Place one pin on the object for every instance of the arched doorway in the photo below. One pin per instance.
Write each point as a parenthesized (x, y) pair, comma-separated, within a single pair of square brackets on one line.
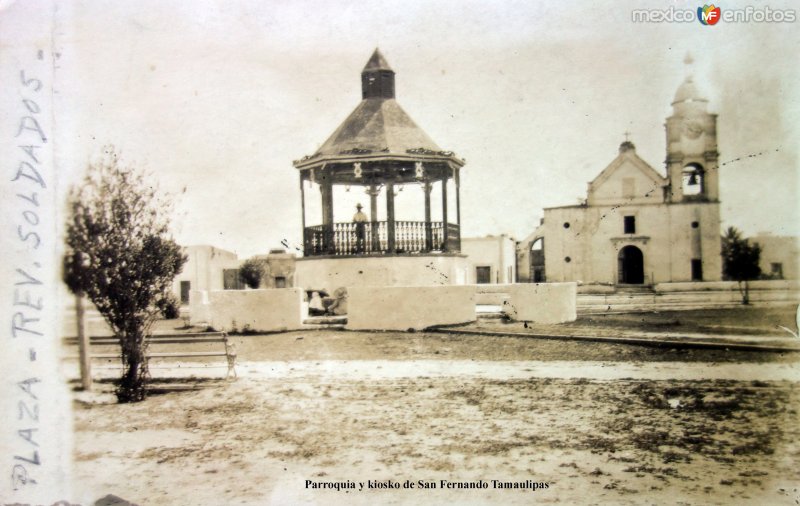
[(631, 266), (537, 261)]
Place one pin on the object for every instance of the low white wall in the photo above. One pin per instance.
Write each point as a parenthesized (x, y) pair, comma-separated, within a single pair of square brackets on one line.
[(542, 302), (417, 270), (199, 309), (408, 307), (491, 295), (261, 310), (491, 298)]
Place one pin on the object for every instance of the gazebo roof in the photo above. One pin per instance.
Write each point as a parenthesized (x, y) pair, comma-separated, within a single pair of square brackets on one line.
[(378, 129), (378, 125)]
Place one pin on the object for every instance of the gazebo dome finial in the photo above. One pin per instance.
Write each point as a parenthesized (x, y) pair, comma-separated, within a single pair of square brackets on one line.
[(377, 78), (377, 62)]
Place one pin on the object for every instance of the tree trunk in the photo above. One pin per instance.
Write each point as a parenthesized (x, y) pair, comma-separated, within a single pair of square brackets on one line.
[(83, 342), (132, 385), (744, 291)]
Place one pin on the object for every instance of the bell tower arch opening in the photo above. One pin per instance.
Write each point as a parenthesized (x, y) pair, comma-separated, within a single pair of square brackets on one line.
[(693, 180)]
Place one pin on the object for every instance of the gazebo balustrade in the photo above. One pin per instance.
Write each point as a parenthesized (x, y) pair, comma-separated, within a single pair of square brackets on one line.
[(342, 239)]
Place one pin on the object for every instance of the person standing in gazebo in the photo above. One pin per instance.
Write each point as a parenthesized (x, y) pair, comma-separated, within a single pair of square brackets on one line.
[(360, 219)]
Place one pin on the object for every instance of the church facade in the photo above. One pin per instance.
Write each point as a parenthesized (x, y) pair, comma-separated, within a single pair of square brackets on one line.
[(637, 226)]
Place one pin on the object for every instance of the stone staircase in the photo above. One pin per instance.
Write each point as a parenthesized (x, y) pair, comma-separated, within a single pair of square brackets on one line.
[(489, 312), (325, 322), (632, 301)]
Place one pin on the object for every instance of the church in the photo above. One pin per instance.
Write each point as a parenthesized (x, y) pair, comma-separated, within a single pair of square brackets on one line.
[(637, 227)]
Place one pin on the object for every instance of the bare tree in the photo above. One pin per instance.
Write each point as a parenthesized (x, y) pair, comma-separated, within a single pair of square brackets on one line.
[(120, 255)]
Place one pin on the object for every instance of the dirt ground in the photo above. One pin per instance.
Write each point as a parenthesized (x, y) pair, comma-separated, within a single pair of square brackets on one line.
[(257, 441), (272, 435), (741, 321)]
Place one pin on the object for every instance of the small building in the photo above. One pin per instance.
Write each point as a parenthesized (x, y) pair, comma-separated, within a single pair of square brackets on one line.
[(211, 268), (780, 255), (491, 259), (207, 268), (637, 226), (279, 269)]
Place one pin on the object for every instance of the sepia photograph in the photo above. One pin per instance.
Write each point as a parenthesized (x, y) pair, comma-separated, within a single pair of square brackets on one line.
[(260, 252)]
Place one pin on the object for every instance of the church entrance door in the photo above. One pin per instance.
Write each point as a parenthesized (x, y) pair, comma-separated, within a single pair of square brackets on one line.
[(631, 266)]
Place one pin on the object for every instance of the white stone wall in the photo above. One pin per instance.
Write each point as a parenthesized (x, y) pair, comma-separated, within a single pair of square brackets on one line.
[(418, 270), (542, 302), (263, 310), (409, 307)]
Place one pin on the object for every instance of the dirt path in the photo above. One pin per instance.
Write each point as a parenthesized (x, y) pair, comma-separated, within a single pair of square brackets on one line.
[(364, 370)]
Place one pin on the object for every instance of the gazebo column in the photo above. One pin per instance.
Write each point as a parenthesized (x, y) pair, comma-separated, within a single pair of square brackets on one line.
[(327, 214), (458, 204), (458, 197), (428, 233), (373, 191), (306, 246), (390, 217), (445, 234)]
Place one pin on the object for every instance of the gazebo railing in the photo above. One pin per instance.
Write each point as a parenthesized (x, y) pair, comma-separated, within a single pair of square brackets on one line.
[(372, 237)]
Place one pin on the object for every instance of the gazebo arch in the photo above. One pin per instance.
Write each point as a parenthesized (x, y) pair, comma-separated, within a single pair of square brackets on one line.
[(537, 261)]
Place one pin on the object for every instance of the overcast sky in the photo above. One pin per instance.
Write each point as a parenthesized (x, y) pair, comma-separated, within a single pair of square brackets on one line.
[(218, 98)]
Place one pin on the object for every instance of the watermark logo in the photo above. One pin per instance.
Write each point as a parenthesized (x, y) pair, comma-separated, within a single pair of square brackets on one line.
[(708, 14), (711, 15)]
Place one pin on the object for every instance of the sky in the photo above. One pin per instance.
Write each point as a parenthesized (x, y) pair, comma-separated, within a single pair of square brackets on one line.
[(216, 98)]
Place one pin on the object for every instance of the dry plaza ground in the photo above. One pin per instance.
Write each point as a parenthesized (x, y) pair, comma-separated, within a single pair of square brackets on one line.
[(600, 423)]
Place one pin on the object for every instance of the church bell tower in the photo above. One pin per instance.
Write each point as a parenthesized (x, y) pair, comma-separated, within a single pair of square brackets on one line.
[(692, 155)]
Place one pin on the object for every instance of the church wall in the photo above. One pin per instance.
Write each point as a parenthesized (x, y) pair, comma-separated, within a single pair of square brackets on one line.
[(625, 184), (684, 241), (663, 233), (565, 246)]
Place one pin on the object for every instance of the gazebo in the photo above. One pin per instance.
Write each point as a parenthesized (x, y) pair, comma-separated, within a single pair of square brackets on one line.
[(380, 149)]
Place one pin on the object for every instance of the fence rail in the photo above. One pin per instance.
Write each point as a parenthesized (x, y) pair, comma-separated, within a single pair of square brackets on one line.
[(373, 237)]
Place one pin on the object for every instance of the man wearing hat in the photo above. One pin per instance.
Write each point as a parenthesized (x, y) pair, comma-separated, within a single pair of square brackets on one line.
[(360, 219)]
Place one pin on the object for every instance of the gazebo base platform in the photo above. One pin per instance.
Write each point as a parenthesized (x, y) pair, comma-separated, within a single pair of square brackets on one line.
[(330, 273)]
